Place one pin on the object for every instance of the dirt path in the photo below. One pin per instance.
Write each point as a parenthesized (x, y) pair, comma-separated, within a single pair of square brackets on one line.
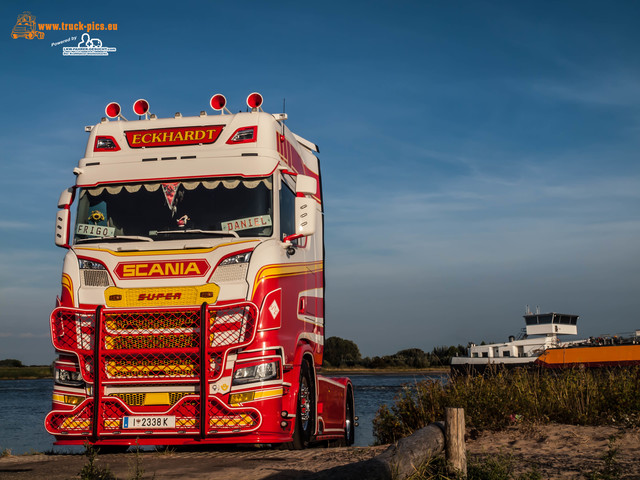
[(557, 451), (248, 464), (561, 451)]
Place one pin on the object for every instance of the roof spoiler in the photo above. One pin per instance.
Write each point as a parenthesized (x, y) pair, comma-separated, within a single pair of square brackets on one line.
[(306, 143)]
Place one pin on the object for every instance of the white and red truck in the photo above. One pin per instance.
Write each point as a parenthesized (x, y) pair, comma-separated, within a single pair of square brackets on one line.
[(192, 304)]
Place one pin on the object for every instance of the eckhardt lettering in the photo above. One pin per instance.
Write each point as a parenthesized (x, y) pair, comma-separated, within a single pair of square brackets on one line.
[(169, 268), (167, 137)]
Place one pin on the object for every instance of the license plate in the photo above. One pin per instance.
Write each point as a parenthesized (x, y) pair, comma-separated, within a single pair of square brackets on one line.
[(149, 422)]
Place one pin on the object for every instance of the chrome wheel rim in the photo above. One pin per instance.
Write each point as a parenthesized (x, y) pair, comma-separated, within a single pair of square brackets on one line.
[(305, 404)]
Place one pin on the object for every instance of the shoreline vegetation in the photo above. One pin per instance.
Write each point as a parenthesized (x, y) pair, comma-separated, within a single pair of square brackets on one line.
[(12, 369), (503, 398), (335, 371), (27, 372)]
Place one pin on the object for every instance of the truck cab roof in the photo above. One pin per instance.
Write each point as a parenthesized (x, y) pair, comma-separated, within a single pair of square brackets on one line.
[(248, 144)]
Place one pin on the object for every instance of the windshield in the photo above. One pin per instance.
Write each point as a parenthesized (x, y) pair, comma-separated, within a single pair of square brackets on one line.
[(182, 209)]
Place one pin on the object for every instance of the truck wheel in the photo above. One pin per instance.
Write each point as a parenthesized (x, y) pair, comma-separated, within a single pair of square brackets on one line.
[(349, 420), (305, 414)]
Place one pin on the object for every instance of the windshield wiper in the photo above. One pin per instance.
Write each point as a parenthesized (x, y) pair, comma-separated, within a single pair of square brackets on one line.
[(136, 238), (194, 230)]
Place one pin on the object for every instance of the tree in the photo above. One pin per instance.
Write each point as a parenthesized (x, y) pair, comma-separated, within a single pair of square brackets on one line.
[(413, 357), (339, 352), (10, 362), (442, 355)]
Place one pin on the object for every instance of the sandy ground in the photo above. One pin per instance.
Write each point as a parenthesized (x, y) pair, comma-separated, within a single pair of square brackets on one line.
[(560, 451), (241, 463), (557, 451)]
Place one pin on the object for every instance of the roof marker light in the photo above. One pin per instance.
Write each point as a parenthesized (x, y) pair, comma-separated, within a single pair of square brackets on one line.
[(112, 110), (141, 107), (218, 102), (244, 135), (105, 144), (254, 100)]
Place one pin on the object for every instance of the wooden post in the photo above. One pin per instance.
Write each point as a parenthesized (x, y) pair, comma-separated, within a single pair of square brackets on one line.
[(454, 441)]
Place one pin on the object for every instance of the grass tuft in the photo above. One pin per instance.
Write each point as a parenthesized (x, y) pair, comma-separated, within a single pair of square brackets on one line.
[(500, 467), (90, 471), (611, 469)]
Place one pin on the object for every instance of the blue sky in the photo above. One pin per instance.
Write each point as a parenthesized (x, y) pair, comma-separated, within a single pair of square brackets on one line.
[(478, 156)]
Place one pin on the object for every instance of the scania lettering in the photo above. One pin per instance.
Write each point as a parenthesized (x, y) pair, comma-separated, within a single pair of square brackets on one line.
[(192, 302)]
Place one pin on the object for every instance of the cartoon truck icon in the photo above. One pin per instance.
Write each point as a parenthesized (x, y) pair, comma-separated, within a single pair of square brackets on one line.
[(25, 27)]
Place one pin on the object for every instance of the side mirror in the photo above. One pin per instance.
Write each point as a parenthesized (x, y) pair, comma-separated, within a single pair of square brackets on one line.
[(305, 216), (306, 185), (66, 198), (63, 218), (305, 209)]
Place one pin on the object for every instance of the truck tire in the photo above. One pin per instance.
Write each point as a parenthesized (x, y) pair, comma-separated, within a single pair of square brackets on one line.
[(305, 409), (349, 420)]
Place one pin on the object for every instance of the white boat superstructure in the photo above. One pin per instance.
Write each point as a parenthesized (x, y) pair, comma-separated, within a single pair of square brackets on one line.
[(540, 333)]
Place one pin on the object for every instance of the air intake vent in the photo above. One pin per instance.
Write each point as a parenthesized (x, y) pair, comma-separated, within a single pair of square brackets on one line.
[(230, 273), (96, 278)]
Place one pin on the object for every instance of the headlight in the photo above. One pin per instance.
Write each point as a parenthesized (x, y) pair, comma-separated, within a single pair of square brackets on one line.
[(67, 377), (235, 259), (256, 373), (90, 265)]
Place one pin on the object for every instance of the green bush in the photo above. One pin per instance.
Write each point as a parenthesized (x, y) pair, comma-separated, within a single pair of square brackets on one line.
[(500, 398)]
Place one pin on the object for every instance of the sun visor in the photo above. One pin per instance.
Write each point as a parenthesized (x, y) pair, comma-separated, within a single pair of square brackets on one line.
[(93, 173)]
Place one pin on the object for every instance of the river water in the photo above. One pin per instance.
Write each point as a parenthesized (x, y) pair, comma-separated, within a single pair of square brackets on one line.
[(24, 404)]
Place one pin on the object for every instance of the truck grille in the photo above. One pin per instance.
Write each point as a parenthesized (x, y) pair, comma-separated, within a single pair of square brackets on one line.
[(154, 367), (152, 322), (139, 399), (148, 348), (140, 342)]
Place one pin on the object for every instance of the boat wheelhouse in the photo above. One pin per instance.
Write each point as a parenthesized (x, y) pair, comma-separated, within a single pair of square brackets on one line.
[(541, 332)]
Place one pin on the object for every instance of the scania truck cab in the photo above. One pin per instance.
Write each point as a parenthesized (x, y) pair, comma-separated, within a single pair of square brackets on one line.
[(192, 301)]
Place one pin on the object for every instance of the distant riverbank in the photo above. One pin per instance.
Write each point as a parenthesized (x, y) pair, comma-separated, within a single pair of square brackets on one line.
[(384, 371), (25, 373), (44, 371)]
